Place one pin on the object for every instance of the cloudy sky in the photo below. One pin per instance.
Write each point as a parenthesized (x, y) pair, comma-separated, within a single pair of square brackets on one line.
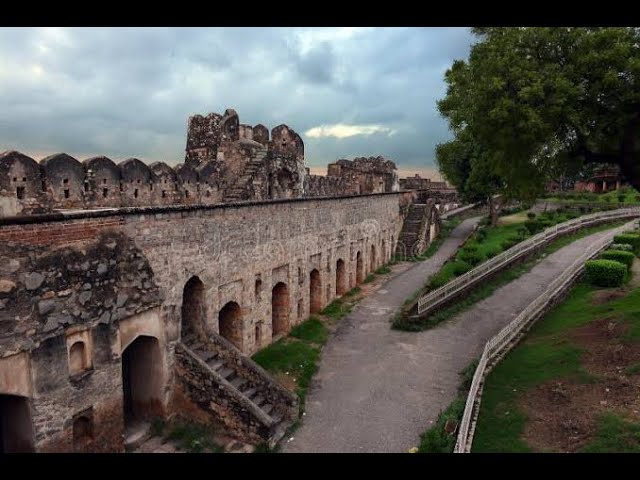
[(127, 92)]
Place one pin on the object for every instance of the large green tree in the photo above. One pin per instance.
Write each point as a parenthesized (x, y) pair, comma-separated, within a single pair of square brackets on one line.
[(545, 99), (466, 165)]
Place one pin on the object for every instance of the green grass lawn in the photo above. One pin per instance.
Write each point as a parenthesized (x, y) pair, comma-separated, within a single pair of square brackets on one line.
[(548, 353), (630, 196)]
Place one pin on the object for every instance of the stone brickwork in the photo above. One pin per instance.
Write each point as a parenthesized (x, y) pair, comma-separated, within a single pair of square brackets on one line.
[(225, 162), (88, 296)]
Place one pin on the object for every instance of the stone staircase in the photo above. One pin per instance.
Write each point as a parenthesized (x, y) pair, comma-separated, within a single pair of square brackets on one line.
[(238, 191), (269, 406), (413, 231)]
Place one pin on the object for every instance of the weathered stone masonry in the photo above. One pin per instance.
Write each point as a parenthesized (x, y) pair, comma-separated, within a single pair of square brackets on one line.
[(87, 298)]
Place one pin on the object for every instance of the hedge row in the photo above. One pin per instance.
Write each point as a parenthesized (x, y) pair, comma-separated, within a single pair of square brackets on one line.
[(630, 238), (619, 256), (605, 273)]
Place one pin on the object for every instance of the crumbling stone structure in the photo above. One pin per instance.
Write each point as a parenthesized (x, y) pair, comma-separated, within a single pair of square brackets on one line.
[(418, 183), (109, 318), (225, 162), (112, 317)]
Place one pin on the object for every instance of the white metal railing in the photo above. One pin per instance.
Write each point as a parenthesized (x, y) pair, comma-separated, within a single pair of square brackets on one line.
[(440, 295), (455, 211), (505, 339)]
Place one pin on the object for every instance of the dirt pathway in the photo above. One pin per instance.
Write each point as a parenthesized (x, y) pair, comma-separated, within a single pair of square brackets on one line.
[(378, 389)]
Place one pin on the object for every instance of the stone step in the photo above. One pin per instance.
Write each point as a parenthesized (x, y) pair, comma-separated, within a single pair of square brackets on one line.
[(238, 382), (188, 339), (277, 417), (259, 400), (136, 434), (215, 363), (278, 433), (196, 346), (226, 372), (207, 355), (249, 392), (266, 408)]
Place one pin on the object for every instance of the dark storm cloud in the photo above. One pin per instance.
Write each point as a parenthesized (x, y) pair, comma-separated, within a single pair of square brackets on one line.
[(129, 91)]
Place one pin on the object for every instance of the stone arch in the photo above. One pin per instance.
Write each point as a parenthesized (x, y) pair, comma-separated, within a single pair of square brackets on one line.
[(16, 427), (78, 358), (359, 268), (142, 380), (230, 323), (341, 278), (315, 291), (194, 316), (280, 308), (82, 432), (373, 258)]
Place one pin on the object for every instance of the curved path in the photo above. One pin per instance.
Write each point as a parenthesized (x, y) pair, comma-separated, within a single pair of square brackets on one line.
[(378, 389)]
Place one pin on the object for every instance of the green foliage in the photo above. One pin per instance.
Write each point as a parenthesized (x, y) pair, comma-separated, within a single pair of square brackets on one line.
[(614, 435), (436, 439), (621, 256), (383, 270), (625, 247), (297, 357), (632, 369), (157, 426), (370, 278), (336, 309), (621, 198), (460, 267), (470, 258), (354, 291), (533, 226), (194, 438), (539, 102), (312, 331), (508, 243), (438, 280), (630, 238), (522, 232), (605, 273)]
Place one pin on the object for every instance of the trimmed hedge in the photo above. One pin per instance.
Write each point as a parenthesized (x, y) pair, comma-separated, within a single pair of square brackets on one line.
[(619, 256), (605, 273), (625, 247), (630, 238)]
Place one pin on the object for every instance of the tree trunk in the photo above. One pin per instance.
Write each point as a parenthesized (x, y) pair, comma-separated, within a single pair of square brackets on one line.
[(493, 213)]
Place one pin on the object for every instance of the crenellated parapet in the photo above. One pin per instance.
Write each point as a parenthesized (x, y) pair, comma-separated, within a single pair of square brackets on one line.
[(225, 161)]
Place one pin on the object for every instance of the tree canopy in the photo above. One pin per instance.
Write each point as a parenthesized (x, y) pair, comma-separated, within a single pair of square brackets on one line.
[(530, 102)]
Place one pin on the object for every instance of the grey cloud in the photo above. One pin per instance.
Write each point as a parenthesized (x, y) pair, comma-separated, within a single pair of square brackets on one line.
[(128, 91)]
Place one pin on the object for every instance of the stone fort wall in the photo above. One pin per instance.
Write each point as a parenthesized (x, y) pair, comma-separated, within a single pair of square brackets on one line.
[(78, 290)]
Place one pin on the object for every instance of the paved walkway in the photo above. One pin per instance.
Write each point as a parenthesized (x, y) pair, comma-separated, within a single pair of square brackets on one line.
[(378, 389)]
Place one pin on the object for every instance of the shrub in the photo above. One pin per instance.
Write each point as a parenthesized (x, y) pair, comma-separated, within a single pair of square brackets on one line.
[(471, 257), (605, 273), (625, 247), (546, 224), (481, 235), (630, 238), (438, 280), (607, 199), (533, 226), (508, 243), (531, 215), (619, 256), (522, 232), (460, 267), (621, 198), (492, 252), (637, 198)]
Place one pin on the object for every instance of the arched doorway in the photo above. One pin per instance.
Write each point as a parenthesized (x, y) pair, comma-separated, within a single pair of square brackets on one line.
[(16, 429), (315, 291), (280, 308), (193, 308), (142, 380), (359, 268), (341, 278), (230, 323), (373, 258)]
